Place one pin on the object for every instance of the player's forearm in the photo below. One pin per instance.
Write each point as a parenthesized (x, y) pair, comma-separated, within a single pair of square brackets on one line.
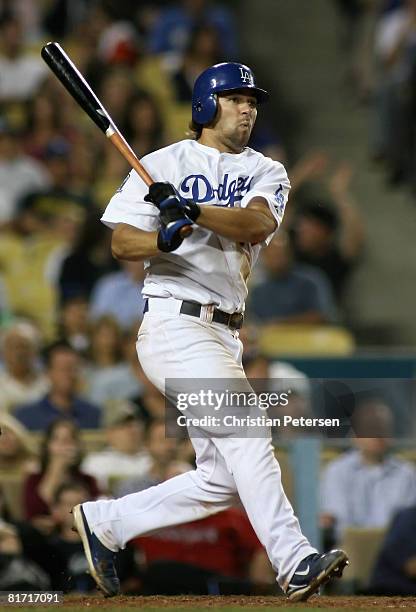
[(133, 244), (240, 224)]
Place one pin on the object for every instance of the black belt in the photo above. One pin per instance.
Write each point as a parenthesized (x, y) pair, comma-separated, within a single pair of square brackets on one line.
[(234, 321)]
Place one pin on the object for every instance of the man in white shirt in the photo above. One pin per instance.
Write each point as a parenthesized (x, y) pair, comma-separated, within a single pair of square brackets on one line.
[(21, 73), (366, 487), (195, 291), (125, 456), (21, 381)]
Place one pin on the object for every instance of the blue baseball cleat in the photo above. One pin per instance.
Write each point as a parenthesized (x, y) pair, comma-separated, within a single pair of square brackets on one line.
[(314, 571), (100, 558)]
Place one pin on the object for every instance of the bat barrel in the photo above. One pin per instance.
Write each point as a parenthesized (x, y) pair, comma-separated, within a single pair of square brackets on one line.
[(73, 81), (70, 77)]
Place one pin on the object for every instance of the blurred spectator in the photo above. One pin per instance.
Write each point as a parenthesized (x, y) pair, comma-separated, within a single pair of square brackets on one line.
[(124, 457), (71, 564), (119, 44), (17, 451), (5, 314), (74, 328), (62, 16), (149, 402), (21, 380), (60, 459), (29, 13), (395, 48), (56, 158), (21, 73), (108, 375), (61, 214), (285, 378), (115, 91), (89, 260), (265, 139), (170, 82), (365, 487), (331, 236), (31, 253), (219, 554), (173, 27), (17, 572), (394, 572), (44, 123), (162, 451), (105, 298), (109, 175), (71, 573), (203, 50), (359, 20), (291, 293), (30, 545), (19, 174), (310, 166), (144, 125), (85, 155), (62, 400)]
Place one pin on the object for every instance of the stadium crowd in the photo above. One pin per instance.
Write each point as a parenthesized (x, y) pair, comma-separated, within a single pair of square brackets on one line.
[(78, 417)]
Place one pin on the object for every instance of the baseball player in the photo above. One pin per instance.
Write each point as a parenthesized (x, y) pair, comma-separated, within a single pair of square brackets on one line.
[(195, 290)]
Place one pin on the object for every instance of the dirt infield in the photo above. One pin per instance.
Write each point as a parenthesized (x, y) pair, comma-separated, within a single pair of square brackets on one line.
[(235, 603)]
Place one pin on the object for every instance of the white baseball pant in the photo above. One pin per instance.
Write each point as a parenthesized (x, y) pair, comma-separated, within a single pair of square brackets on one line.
[(172, 345)]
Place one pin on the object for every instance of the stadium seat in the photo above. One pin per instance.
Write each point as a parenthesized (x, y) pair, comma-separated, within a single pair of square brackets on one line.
[(320, 340), (93, 440), (362, 547), (12, 492)]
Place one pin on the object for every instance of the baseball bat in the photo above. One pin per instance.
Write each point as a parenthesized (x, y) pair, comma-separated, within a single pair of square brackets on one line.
[(73, 81)]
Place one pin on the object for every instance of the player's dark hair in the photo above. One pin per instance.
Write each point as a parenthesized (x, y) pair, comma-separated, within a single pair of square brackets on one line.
[(195, 129)]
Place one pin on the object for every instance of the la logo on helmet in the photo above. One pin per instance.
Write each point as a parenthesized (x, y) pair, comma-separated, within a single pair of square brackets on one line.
[(246, 77)]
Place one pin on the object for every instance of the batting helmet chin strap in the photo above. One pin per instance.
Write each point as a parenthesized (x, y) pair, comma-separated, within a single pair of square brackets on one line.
[(227, 76)]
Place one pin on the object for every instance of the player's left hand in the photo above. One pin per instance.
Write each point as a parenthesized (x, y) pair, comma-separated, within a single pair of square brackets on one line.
[(165, 195)]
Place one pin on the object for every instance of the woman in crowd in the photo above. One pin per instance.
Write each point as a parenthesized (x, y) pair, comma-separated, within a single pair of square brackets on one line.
[(60, 458)]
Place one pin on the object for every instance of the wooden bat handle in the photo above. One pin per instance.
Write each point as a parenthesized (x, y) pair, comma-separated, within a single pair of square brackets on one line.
[(119, 142)]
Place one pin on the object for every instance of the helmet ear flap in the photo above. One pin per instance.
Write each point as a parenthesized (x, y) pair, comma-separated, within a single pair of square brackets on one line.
[(203, 111)]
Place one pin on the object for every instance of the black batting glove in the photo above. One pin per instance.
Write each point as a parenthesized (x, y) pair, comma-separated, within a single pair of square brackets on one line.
[(163, 194), (158, 192)]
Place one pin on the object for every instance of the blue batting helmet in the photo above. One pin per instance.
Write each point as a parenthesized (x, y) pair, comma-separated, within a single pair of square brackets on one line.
[(221, 77)]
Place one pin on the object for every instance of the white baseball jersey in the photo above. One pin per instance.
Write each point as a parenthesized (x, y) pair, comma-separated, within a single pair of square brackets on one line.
[(206, 268)]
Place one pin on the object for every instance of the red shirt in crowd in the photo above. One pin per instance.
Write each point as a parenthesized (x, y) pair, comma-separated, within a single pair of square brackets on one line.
[(223, 543)]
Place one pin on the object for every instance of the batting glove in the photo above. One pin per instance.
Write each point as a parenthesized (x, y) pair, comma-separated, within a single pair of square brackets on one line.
[(172, 220), (165, 193)]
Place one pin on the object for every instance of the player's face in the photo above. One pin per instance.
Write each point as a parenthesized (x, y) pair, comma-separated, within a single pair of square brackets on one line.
[(237, 112)]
